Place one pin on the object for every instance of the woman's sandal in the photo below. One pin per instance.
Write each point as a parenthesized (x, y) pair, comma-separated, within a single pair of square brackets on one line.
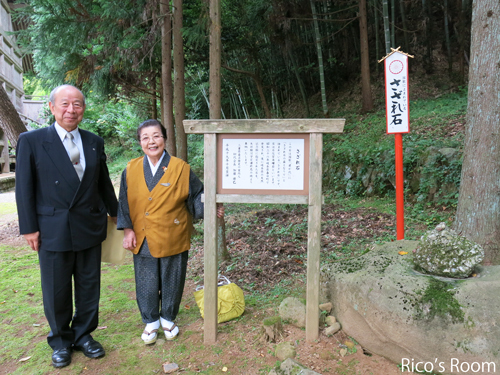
[(171, 333), (149, 337)]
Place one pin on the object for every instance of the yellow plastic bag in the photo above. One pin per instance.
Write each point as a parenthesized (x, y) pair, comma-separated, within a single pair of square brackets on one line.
[(231, 301)]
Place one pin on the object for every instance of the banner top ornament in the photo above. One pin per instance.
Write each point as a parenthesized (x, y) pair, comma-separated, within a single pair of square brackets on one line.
[(393, 51)]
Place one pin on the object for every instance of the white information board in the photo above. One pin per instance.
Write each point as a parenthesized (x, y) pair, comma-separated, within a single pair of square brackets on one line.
[(396, 93), (263, 164)]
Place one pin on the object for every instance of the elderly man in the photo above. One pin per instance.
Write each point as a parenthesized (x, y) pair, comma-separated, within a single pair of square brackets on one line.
[(63, 194)]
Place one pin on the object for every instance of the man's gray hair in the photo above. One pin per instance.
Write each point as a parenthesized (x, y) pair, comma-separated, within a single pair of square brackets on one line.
[(53, 93)]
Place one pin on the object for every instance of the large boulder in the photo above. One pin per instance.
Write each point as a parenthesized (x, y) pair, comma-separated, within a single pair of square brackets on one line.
[(442, 252), (408, 317)]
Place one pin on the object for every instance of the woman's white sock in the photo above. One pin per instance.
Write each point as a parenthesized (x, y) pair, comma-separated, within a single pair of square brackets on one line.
[(152, 326), (166, 323)]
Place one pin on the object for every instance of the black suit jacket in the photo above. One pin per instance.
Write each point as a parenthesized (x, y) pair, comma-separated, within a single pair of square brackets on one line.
[(70, 214)]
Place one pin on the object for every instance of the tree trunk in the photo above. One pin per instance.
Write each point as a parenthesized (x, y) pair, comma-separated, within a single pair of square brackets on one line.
[(461, 41), (447, 37), (365, 59), (428, 64), (154, 108), (405, 26), (393, 23), (478, 213), (179, 83), (387, 32), (257, 110), (10, 122), (166, 76), (375, 15), (320, 59), (299, 81), (215, 60), (215, 103), (260, 88)]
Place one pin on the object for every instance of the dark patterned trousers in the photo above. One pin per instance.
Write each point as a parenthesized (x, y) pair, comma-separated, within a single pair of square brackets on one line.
[(159, 284)]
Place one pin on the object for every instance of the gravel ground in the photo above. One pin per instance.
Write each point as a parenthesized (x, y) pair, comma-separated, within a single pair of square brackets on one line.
[(8, 197)]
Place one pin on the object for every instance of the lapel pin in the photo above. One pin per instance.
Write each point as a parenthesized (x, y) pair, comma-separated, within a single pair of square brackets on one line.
[(167, 184)]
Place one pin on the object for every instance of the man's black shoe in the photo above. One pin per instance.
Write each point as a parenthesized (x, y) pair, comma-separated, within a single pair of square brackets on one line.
[(61, 357), (91, 349)]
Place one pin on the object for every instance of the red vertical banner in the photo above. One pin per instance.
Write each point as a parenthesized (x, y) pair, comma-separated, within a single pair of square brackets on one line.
[(398, 122)]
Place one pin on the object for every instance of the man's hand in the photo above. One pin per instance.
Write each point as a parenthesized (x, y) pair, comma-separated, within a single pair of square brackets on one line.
[(129, 239), (33, 240), (114, 219)]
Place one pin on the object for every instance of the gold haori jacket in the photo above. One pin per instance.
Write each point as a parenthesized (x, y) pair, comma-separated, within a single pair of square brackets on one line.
[(160, 215)]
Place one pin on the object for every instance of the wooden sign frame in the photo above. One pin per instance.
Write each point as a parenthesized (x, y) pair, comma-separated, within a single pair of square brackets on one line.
[(315, 129)]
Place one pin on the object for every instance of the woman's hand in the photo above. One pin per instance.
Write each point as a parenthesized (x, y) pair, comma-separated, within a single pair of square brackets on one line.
[(129, 239), (220, 210)]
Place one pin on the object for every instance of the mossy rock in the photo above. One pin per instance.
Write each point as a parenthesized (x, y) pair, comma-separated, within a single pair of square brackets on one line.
[(442, 252), (396, 312)]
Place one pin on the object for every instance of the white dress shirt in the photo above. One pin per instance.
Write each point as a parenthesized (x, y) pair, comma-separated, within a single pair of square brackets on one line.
[(77, 139)]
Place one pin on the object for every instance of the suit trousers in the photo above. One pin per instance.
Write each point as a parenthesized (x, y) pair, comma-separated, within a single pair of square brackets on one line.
[(59, 270)]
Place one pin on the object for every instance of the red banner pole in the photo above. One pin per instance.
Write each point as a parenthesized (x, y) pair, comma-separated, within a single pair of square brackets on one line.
[(400, 200)]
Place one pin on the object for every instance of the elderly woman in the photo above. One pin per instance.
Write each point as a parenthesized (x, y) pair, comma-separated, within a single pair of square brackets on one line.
[(159, 197)]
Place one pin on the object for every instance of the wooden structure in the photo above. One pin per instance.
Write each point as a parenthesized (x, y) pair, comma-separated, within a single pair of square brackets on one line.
[(11, 75), (315, 128)]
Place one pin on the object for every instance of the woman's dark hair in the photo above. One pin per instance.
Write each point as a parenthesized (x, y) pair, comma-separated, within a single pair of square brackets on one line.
[(148, 123)]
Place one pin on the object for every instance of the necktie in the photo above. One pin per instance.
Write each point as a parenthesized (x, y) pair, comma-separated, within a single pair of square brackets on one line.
[(74, 154)]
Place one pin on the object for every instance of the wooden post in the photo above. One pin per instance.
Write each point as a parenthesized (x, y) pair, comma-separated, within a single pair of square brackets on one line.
[(210, 240), (314, 235), (313, 198)]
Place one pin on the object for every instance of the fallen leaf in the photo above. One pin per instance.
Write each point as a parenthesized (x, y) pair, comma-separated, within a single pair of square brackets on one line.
[(402, 252), (102, 327), (187, 307), (349, 344), (24, 359)]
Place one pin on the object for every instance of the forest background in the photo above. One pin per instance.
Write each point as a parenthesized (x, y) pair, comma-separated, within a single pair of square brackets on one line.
[(280, 59)]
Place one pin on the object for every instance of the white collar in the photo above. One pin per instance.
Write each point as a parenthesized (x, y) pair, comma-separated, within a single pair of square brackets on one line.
[(154, 168), (61, 132)]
